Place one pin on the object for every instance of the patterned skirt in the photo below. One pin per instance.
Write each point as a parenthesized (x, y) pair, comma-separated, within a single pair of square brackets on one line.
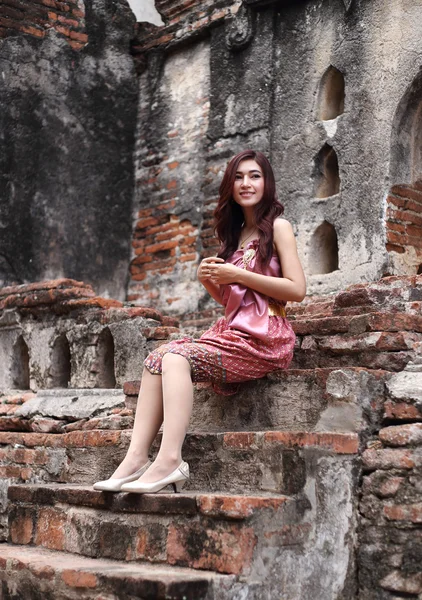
[(225, 357)]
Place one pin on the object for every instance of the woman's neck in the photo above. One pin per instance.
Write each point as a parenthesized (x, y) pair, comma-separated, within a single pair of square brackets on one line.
[(249, 216)]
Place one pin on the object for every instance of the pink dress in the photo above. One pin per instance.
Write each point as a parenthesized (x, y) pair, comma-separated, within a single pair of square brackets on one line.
[(251, 340)]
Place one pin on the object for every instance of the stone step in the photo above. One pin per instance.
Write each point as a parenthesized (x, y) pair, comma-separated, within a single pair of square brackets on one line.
[(30, 573), (218, 532), (235, 462), (328, 399)]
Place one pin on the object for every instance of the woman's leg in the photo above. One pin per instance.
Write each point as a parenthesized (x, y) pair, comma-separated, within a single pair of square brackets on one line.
[(178, 402), (148, 419)]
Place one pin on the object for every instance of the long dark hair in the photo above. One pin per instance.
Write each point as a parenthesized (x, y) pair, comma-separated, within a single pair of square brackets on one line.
[(229, 215)]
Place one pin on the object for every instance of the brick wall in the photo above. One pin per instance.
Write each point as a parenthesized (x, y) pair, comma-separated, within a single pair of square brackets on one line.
[(182, 19), (390, 552), (37, 17), (404, 222)]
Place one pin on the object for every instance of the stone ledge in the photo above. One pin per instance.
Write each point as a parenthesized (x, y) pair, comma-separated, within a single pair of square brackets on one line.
[(340, 443), (45, 571), (226, 506)]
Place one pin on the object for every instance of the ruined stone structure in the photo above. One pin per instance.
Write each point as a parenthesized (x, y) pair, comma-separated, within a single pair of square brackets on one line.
[(114, 137)]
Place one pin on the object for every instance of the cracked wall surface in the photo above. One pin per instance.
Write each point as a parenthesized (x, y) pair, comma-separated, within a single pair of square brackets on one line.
[(67, 120)]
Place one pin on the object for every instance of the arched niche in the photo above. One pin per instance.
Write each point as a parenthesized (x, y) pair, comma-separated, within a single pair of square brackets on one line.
[(406, 136), (105, 360), (323, 255), (331, 95), (326, 173), (60, 365), (20, 365)]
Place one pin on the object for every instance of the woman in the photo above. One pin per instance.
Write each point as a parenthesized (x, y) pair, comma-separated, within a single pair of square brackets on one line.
[(256, 272)]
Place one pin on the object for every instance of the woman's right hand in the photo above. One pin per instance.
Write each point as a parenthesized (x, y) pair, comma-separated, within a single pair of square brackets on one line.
[(203, 271)]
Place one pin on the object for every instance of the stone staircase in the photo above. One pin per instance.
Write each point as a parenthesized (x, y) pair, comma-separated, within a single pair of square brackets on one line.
[(261, 508), (272, 507)]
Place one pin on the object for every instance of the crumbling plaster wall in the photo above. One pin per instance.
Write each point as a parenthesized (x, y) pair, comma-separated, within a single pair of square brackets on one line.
[(266, 65), (68, 106)]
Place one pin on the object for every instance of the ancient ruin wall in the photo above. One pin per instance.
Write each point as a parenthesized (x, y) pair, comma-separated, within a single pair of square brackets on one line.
[(322, 88), (68, 112)]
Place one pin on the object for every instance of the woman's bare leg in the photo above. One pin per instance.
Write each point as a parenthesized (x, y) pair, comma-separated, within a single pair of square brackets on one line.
[(178, 402), (148, 419)]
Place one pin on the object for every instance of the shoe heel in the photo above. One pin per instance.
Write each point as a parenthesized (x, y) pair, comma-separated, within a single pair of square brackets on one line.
[(178, 485)]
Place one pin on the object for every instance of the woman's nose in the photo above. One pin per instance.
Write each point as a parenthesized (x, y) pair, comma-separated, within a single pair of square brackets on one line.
[(245, 181)]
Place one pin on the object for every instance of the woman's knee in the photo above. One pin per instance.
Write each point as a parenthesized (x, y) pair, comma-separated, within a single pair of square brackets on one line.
[(172, 362)]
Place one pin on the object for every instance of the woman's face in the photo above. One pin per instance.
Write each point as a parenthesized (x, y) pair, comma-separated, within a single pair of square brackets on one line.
[(248, 187)]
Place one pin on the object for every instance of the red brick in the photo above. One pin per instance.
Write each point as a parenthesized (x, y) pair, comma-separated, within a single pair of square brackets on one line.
[(146, 212), (389, 459), (406, 191), (226, 549), (21, 527), (79, 579), (173, 165), (161, 246), (159, 333), (394, 248), (404, 512), (80, 37), (236, 507), (390, 486), (399, 227), (401, 411), (239, 439), (172, 184), (146, 222), (402, 435), (10, 471), (341, 443), (188, 257), (131, 388), (405, 216), (66, 20), (86, 439), (50, 529), (395, 238)]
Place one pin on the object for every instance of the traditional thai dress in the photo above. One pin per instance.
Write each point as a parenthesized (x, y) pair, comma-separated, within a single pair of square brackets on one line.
[(252, 339)]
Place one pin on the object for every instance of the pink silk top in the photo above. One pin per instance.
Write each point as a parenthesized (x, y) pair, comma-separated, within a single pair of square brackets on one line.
[(245, 309)]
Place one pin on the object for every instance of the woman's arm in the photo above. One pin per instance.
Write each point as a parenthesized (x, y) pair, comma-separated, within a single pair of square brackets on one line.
[(290, 287)]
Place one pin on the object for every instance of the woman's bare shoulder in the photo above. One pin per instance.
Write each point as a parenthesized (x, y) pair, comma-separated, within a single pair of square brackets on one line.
[(282, 227)]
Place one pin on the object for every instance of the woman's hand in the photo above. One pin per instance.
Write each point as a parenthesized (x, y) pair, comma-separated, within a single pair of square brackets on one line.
[(204, 269), (224, 273)]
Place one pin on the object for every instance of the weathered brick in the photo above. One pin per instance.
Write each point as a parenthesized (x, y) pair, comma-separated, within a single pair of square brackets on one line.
[(402, 435), (341, 443), (403, 512), (390, 459), (79, 579), (239, 439), (50, 529), (21, 525), (237, 507), (401, 411), (409, 584), (227, 549)]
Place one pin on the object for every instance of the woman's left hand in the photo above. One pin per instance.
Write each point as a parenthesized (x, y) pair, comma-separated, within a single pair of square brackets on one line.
[(224, 273)]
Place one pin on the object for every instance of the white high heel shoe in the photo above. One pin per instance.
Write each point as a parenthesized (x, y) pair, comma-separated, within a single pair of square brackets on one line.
[(115, 485), (177, 479)]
